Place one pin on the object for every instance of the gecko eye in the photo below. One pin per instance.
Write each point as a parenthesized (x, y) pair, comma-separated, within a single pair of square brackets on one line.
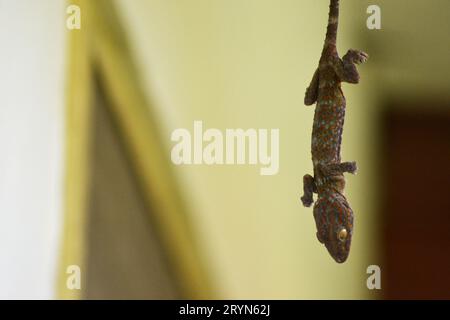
[(342, 235)]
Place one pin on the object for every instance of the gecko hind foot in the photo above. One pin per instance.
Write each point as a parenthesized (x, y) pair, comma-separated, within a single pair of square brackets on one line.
[(345, 68), (312, 92), (356, 56)]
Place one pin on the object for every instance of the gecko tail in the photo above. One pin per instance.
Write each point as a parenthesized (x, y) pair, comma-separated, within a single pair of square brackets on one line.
[(333, 22)]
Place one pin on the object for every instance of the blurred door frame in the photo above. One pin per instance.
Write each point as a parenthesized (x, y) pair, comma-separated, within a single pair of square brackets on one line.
[(101, 46)]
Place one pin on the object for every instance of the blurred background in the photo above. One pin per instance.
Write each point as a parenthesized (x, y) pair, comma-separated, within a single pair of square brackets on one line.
[(86, 179)]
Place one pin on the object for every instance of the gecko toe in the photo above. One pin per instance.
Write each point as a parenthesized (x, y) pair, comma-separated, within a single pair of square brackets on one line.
[(307, 202)]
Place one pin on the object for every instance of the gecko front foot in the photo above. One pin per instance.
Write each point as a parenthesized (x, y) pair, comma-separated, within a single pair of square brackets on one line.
[(309, 187), (356, 56), (349, 167), (307, 200)]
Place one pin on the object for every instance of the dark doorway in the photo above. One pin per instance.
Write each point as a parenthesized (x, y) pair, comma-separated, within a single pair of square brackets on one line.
[(417, 204)]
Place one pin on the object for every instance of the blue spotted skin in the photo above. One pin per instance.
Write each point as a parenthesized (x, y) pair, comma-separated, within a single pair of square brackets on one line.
[(332, 212), (328, 118)]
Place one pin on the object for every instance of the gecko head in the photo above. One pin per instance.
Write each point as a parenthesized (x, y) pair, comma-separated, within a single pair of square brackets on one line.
[(334, 222)]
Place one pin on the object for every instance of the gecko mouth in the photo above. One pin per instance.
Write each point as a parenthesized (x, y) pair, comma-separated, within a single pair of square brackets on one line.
[(340, 256), (340, 259)]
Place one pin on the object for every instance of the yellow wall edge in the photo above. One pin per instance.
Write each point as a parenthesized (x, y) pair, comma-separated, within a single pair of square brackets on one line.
[(78, 113), (100, 44)]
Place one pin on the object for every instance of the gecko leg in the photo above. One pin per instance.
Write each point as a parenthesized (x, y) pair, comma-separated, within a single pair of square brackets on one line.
[(349, 167), (309, 187), (345, 68), (312, 92)]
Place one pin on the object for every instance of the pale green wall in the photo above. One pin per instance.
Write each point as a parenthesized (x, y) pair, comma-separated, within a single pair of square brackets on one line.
[(235, 63)]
